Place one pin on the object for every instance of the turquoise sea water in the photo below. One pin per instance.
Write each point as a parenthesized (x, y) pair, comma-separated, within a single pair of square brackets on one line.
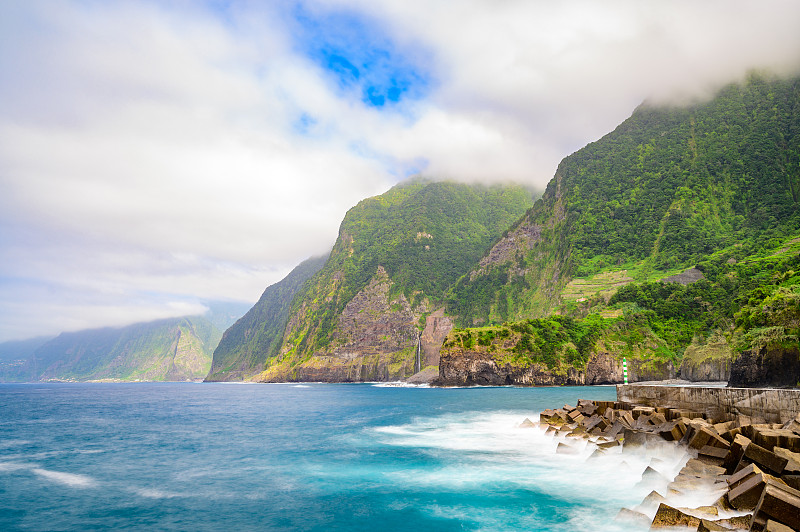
[(298, 457)]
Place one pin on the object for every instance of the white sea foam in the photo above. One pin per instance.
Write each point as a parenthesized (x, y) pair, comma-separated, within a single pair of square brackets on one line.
[(493, 448), (151, 493), (301, 386), (68, 479), (13, 466), (400, 384), (11, 442)]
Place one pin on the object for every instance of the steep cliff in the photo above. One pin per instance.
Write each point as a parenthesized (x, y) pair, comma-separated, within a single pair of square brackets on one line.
[(665, 189), (659, 232), (174, 349), (370, 312), (245, 347), (767, 367), (554, 351)]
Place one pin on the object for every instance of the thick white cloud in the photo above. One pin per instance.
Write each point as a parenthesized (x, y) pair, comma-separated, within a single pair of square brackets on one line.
[(155, 155)]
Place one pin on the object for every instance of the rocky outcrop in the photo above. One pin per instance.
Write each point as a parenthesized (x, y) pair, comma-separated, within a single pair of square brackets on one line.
[(710, 370), (692, 275), (437, 327), (603, 368), (375, 339), (774, 367), (465, 367), (475, 368)]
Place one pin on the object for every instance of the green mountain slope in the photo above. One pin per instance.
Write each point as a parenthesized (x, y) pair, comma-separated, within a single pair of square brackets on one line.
[(246, 345), (361, 316), (174, 349), (667, 188)]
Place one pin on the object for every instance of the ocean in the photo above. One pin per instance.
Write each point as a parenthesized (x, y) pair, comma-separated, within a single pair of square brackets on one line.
[(213, 456)]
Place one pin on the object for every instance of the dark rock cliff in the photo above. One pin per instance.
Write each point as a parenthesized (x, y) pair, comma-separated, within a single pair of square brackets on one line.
[(775, 367)]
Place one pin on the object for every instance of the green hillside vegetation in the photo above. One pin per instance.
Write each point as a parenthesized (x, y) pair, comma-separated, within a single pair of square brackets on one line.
[(173, 349), (743, 304), (424, 234), (668, 188), (246, 346)]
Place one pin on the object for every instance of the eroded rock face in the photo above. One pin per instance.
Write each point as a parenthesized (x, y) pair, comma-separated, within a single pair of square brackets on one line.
[(437, 327), (706, 370), (473, 368), (766, 368), (603, 368), (371, 323), (375, 339), (463, 367)]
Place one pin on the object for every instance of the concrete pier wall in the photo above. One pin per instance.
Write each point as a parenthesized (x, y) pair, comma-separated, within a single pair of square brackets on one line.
[(760, 404)]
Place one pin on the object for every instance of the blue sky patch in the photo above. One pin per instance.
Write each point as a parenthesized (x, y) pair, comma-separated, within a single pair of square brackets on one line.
[(355, 51)]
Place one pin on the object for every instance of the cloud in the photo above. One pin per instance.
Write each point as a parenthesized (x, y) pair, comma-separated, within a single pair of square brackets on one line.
[(154, 155)]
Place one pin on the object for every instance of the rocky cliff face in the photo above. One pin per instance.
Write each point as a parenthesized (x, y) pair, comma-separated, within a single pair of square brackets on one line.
[(375, 339), (479, 368), (373, 312), (437, 327), (706, 371), (471, 367), (766, 367), (246, 346)]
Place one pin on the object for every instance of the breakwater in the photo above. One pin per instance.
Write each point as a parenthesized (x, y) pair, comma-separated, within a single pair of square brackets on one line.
[(739, 475), (761, 405)]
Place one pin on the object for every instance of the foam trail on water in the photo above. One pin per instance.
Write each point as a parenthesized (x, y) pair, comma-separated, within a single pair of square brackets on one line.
[(68, 479), (13, 466), (151, 493), (491, 449)]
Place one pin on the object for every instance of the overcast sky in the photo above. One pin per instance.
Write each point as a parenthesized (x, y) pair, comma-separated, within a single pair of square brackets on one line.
[(156, 155)]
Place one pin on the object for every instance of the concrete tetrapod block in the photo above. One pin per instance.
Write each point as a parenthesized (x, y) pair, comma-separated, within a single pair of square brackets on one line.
[(742, 475), (564, 448), (668, 517), (709, 526), (792, 480), (779, 503), (633, 439), (793, 460), (746, 495), (774, 526), (766, 459), (737, 448), (715, 452)]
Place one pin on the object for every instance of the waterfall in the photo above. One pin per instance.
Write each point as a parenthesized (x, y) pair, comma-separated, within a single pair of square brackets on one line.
[(418, 362)]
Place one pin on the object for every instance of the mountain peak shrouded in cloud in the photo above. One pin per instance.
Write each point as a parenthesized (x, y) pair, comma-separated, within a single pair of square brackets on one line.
[(153, 154)]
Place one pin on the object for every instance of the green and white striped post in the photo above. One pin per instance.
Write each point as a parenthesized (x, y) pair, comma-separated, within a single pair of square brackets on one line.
[(625, 370)]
